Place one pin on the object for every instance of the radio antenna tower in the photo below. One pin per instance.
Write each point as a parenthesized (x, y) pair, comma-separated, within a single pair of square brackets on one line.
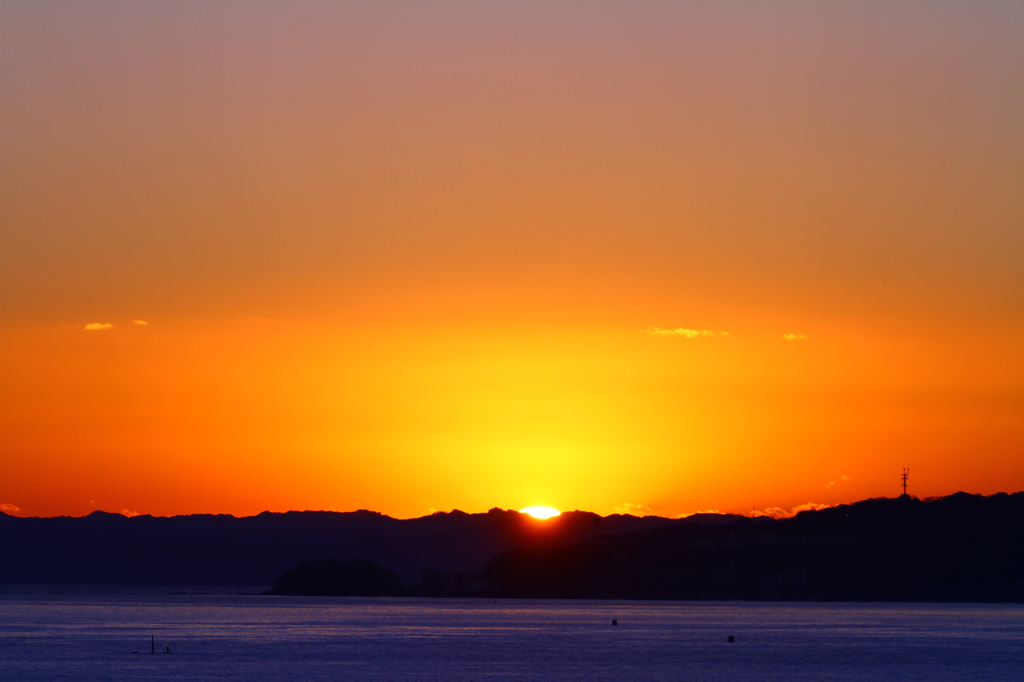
[(906, 475)]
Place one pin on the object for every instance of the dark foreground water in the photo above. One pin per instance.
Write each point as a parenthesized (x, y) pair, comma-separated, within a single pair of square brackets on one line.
[(82, 634)]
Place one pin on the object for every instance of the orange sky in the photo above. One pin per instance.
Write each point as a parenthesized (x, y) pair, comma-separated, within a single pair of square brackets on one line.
[(411, 256)]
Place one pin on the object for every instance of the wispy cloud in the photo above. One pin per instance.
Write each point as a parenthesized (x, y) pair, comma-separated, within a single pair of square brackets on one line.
[(794, 337), (685, 333), (128, 513), (773, 512), (809, 506), (9, 508), (780, 513), (141, 323), (97, 326), (703, 511), (634, 509)]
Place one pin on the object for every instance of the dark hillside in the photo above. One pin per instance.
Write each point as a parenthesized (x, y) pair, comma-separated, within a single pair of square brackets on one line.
[(110, 549), (962, 547), (959, 548)]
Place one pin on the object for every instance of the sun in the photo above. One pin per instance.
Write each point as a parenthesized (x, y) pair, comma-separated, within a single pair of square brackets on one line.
[(540, 512)]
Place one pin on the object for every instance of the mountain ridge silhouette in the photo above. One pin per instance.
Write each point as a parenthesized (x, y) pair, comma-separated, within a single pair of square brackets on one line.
[(961, 547), (221, 549)]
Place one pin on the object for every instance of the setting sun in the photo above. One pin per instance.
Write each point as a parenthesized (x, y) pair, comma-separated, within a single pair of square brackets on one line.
[(540, 512)]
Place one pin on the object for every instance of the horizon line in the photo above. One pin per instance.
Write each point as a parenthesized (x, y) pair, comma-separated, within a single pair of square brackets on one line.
[(124, 513)]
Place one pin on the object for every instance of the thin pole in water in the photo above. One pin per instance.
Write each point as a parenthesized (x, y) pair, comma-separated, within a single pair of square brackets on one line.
[(152, 644)]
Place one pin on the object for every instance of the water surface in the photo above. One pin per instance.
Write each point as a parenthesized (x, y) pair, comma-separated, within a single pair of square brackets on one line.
[(90, 633)]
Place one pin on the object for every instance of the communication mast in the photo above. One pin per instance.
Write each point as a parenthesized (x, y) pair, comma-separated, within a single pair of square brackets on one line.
[(906, 475)]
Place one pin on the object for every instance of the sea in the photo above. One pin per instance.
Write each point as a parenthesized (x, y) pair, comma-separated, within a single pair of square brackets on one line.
[(77, 633)]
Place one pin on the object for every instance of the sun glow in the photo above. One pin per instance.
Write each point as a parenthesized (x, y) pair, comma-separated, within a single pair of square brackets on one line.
[(540, 512)]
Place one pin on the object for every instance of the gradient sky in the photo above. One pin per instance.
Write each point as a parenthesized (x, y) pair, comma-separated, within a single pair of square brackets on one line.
[(410, 256)]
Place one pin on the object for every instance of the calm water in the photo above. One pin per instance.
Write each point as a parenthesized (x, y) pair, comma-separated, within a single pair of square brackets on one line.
[(83, 634)]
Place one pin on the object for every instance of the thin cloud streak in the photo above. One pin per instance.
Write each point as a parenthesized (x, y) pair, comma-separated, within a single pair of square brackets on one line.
[(634, 509), (686, 333), (98, 326), (703, 511), (780, 513)]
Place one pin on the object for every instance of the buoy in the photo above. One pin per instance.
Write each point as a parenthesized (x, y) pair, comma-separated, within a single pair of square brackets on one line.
[(732, 639), (614, 622)]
